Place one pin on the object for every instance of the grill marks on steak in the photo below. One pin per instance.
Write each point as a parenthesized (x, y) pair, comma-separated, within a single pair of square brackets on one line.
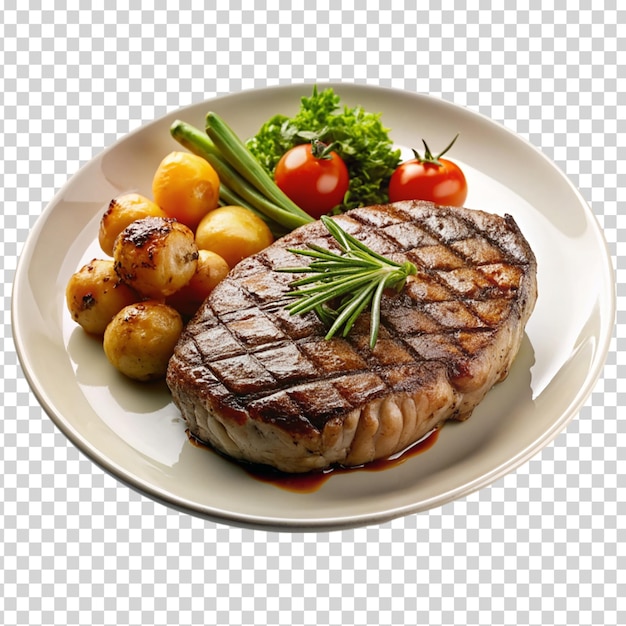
[(245, 363)]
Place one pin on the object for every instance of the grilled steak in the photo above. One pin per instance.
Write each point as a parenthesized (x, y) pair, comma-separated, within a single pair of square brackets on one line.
[(263, 386)]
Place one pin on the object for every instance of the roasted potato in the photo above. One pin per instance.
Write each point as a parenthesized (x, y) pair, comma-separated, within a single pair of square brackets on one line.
[(121, 212), (140, 339), (234, 233), (212, 269), (156, 256), (95, 294)]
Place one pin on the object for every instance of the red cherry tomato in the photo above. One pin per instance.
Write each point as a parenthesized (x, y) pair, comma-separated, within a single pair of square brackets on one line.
[(429, 178), (314, 178)]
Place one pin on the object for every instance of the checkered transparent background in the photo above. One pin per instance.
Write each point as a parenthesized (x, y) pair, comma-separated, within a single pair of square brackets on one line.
[(544, 545)]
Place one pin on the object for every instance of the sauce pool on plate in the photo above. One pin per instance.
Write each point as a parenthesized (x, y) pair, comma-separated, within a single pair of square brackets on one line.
[(313, 481)]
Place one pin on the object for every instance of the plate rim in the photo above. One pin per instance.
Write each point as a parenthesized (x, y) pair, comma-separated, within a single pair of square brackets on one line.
[(311, 524)]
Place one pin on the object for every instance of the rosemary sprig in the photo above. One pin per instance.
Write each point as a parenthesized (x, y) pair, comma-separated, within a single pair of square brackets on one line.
[(340, 287)]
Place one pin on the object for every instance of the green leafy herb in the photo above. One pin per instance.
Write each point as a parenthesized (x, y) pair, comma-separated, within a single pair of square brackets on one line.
[(359, 138), (350, 281)]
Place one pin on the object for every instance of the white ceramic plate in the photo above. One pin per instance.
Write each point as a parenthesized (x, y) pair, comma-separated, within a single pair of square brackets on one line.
[(136, 434)]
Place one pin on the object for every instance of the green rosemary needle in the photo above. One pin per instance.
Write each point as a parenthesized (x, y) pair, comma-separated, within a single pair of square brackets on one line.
[(350, 282)]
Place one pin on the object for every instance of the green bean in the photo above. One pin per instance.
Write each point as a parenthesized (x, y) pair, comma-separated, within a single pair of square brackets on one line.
[(201, 144), (238, 155), (229, 197)]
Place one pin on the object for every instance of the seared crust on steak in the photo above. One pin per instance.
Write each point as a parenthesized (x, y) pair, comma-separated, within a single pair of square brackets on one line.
[(263, 386)]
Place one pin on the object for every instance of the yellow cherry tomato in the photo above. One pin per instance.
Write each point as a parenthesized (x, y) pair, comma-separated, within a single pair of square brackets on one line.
[(186, 187)]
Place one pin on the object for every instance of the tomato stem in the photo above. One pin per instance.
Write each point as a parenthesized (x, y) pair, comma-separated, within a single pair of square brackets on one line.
[(320, 150), (428, 157)]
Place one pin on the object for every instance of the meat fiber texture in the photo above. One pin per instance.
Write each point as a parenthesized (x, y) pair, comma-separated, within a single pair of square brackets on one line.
[(263, 386)]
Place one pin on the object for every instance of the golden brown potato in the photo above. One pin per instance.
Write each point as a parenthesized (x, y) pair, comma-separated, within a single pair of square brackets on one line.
[(156, 256), (121, 212), (211, 270), (234, 233), (140, 339), (95, 294)]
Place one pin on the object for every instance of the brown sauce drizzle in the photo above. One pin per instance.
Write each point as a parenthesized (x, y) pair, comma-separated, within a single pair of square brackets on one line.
[(313, 481)]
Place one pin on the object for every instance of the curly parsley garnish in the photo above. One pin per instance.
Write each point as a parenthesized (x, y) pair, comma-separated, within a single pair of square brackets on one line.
[(359, 138)]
